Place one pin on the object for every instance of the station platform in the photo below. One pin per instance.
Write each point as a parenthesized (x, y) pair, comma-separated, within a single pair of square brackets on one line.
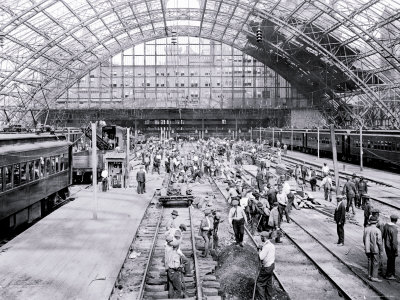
[(68, 254), (371, 174)]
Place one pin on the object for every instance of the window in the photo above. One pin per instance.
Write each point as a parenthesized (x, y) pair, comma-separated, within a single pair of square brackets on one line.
[(38, 169), (52, 165), (66, 162), (48, 166), (1, 179), (8, 177), (31, 171), (17, 175), (57, 161), (24, 174)]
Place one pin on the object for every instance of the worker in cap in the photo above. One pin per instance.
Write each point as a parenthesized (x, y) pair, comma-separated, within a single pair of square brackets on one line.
[(264, 286), (174, 269), (171, 223), (206, 230), (373, 248), (340, 219), (367, 210), (375, 212), (237, 219), (351, 193), (390, 233)]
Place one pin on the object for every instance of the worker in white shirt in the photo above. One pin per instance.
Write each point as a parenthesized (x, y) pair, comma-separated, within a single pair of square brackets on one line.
[(267, 256), (237, 219), (326, 183), (325, 170), (282, 204)]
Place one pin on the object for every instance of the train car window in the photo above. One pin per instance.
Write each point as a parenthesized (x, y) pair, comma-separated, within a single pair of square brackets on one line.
[(62, 162), (38, 172), (8, 177), (48, 166), (1, 179), (52, 165), (31, 171), (42, 169), (17, 175), (24, 174), (66, 162), (57, 161)]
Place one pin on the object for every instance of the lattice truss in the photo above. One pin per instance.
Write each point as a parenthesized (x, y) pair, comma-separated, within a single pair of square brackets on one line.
[(344, 53)]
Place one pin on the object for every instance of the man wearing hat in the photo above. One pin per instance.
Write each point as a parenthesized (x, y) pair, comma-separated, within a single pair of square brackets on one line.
[(217, 219), (171, 223), (206, 230), (340, 219), (237, 219), (373, 248), (350, 191), (390, 240), (367, 209), (274, 222), (264, 285), (174, 269)]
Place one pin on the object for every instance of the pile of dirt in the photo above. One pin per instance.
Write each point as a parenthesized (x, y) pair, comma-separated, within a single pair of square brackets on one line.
[(237, 270)]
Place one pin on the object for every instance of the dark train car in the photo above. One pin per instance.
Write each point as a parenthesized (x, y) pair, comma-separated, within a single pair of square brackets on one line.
[(33, 169), (325, 146), (376, 147), (286, 138)]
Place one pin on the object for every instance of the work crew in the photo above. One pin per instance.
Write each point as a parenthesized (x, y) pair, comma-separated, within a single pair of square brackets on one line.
[(340, 219), (391, 246), (264, 286), (373, 248), (141, 180), (237, 219), (324, 170)]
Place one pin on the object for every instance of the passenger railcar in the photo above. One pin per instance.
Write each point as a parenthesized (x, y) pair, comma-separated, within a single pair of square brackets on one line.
[(379, 146), (33, 170)]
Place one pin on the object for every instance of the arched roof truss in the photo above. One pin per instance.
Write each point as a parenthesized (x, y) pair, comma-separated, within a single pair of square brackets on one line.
[(344, 53)]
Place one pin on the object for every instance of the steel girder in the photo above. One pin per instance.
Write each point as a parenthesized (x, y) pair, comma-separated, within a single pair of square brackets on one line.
[(208, 14)]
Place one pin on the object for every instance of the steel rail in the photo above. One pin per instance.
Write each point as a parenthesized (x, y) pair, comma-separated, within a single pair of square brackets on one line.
[(196, 265), (251, 238), (363, 279), (342, 176), (336, 256), (153, 246)]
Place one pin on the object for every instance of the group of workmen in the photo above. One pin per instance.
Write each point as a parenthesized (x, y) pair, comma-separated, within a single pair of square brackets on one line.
[(264, 205)]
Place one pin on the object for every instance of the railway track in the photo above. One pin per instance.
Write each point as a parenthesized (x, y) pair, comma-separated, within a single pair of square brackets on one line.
[(307, 259), (343, 176), (307, 242), (143, 275)]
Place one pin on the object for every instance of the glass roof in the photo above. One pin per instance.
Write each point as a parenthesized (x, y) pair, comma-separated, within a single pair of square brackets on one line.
[(47, 45)]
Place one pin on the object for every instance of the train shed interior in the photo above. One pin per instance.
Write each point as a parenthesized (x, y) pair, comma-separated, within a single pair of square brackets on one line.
[(206, 149)]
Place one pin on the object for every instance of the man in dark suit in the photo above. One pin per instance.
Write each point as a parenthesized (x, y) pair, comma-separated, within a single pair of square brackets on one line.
[(340, 219), (141, 180)]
